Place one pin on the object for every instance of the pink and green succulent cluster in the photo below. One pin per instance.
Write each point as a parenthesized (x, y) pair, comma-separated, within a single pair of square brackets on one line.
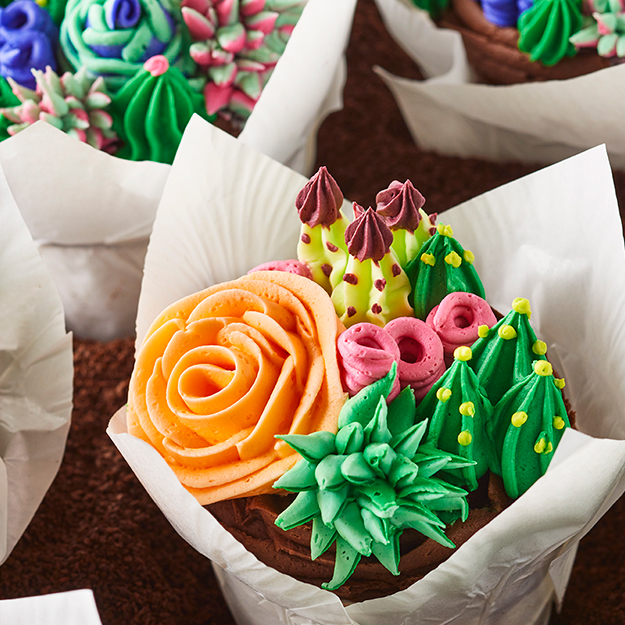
[(237, 43), (605, 30)]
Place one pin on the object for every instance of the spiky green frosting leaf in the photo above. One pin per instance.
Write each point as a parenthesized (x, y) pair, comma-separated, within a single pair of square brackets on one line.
[(443, 267), (363, 486)]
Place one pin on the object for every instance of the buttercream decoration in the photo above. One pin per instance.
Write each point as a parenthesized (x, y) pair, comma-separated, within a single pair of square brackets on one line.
[(457, 321), (401, 206), (237, 44), (366, 354), (374, 287), (56, 9), (506, 355), (74, 103), (433, 7), (223, 371), (546, 27), (322, 236), (7, 100), (457, 419), (606, 30), (527, 425), (502, 13), (290, 266), (28, 38), (114, 38), (376, 481), (441, 269), (421, 359), (152, 110)]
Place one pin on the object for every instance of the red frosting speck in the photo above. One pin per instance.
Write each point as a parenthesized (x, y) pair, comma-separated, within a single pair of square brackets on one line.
[(368, 236), (320, 201), (399, 205)]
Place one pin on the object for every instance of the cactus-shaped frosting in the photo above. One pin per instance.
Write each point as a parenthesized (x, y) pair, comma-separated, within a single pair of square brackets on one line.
[(374, 287), (73, 103), (546, 27), (433, 7), (322, 237), (443, 267), (401, 205), (364, 485), (458, 412), (505, 354), (56, 9), (606, 31), (526, 428), (113, 38), (152, 110), (237, 44), (28, 38)]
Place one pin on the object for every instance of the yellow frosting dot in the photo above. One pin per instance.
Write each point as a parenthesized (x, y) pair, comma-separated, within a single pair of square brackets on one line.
[(469, 257), (42, 3), (444, 230), (540, 446), (465, 438), (549, 448), (558, 422), (453, 259), (522, 306), (463, 353), (542, 367), (560, 383), (506, 332), (539, 347), (467, 409), (428, 259), (443, 394), (482, 331), (518, 419)]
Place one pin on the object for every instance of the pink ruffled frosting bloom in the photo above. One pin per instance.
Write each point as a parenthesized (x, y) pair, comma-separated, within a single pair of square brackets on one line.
[(366, 354), (457, 320), (289, 266), (421, 356)]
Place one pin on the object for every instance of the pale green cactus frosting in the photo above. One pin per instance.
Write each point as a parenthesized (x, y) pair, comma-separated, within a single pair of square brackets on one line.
[(364, 485), (443, 267), (458, 411), (505, 354), (527, 426), (605, 30), (374, 288)]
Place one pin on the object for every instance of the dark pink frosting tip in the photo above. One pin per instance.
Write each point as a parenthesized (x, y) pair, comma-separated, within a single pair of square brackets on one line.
[(320, 201)]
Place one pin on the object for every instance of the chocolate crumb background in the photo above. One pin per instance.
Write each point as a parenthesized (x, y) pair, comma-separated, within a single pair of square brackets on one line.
[(97, 528)]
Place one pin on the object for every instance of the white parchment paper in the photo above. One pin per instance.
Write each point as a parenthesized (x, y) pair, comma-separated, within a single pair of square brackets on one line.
[(534, 122), (538, 238), (36, 375)]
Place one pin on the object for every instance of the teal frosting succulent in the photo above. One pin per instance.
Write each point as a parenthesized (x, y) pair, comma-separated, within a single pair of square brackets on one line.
[(605, 31), (363, 486)]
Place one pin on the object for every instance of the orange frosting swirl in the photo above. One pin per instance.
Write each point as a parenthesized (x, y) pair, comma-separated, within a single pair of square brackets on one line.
[(222, 371)]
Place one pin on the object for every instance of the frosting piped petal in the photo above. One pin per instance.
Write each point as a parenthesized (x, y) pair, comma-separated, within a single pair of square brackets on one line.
[(368, 237), (399, 204), (320, 201)]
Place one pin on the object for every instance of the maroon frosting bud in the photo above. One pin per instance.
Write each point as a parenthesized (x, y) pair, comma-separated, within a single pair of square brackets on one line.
[(368, 236), (320, 201), (399, 205)]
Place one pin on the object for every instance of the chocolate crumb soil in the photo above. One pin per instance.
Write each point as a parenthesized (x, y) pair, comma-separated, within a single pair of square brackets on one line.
[(97, 528)]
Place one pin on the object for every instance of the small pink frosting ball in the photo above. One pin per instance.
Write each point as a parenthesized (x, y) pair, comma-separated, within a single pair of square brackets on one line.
[(156, 65), (421, 356), (290, 266), (457, 320), (366, 354)]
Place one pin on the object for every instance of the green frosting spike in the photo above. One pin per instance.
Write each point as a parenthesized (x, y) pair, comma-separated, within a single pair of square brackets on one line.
[(457, 410), (443, 267), (505, 355), (152, 110), (545, 29), (526, 428), (364, 500)]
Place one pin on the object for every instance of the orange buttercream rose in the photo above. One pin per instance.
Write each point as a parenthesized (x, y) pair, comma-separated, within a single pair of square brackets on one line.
[(221, 372)]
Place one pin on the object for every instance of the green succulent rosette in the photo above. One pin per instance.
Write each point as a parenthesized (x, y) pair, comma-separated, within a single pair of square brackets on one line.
[(443, 267), (526, 428), (505, 353), (546, 27), (458, 410), (152, 110), (363, 486)]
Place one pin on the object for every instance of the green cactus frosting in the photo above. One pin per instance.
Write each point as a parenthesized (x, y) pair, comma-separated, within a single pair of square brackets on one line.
[(7, 100), (363, 486), (374, 288), (433, 7), (545, 29), (443, 267), (526, 428), (458, 410), (56, 9), (152, 110), (505, 354)]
